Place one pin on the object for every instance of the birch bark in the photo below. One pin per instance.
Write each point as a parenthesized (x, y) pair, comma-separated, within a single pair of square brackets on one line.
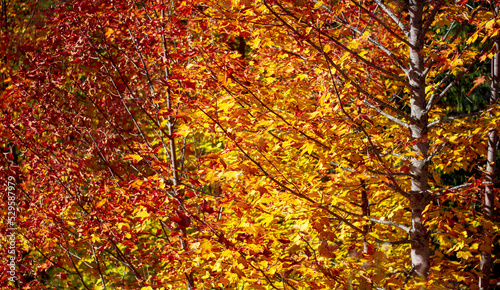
[(419, 195), (489, 193)]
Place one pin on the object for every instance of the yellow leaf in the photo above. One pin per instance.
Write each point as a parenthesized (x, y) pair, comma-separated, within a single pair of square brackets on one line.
[(457, 62), (109, 32), (183, 130), (453, 138), (95, 239), (464, 255), (490, 24), (142, 213), (100, 203), (137, 183), (206, 246), (217, 267), (473, 38), (135, 157), (227, 105), (318, 4), (123, 226), (303, 225), (227, 253)]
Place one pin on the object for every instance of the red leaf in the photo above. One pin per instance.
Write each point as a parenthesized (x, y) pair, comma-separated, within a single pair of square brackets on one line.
[(206, 208), (182, 220)]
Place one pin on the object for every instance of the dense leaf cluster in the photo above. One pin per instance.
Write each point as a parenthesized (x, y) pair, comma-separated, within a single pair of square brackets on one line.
[(269, 144)]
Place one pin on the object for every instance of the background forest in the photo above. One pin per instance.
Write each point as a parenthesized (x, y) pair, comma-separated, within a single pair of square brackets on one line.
[(236, 144)]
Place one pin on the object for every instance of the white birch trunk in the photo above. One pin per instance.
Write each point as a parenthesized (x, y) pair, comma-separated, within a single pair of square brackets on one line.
[(419, 195)]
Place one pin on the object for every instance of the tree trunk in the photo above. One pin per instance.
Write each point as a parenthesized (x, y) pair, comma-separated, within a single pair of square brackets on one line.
[(419, 196), (489, 193)]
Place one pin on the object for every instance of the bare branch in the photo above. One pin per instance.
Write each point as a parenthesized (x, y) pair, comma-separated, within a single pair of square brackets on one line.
[(429, 158), (390, 117), (451, 118), (103, 281), (389, 223)]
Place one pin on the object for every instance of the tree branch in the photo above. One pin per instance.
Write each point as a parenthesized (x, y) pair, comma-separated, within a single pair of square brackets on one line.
[(388, 116), (389, 223), (451, 118), (393, 17), (429, 19), (339, 69), (379, 45), (436, 97)]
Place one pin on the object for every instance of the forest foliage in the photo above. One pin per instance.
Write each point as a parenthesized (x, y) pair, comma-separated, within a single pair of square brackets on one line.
[(269, 144)]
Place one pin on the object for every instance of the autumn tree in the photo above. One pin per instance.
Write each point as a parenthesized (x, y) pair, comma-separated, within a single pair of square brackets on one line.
[(253, 144), (400, 74)]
